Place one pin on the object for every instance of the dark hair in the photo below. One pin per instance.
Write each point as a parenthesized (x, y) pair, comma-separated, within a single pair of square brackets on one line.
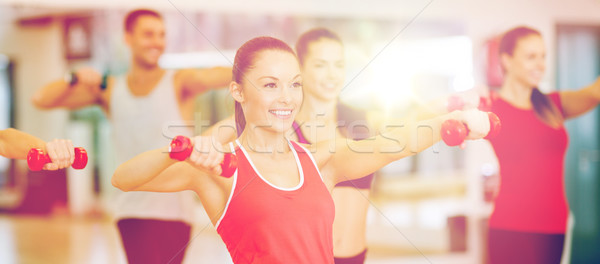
[(543, 106), (133, 16), (244, 60), (312, 36)]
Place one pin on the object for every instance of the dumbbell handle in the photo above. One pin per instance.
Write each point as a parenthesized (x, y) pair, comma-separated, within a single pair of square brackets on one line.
[(181, 149), (456, 103), (36, 159), (454, 132)]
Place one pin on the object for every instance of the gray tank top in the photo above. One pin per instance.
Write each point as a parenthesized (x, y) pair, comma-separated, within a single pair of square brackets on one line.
[(139, 124)]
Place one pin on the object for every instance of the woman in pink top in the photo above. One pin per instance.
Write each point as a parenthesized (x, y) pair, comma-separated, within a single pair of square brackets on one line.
[(277, 208), (530, 212)]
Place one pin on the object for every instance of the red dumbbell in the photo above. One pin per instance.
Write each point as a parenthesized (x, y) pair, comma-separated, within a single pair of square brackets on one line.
[(454, 132), (36, 159), (181, 148), (456, 103)]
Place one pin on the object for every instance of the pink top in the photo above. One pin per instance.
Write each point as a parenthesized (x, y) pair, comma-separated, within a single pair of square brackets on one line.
[(263, 223), (531, 156)]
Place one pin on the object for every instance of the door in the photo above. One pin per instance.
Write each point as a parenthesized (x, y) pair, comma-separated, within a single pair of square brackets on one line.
[(579, 65)]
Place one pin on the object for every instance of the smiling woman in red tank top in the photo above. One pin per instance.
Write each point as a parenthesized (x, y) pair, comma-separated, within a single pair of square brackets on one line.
[(530, 212), (277, 208)]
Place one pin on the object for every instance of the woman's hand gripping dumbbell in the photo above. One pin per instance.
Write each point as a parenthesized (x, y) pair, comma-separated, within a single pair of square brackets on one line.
[(454, 132), (181, 148), (59, 154), (456, 102)]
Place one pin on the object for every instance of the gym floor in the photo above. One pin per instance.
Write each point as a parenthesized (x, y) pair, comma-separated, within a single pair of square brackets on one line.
[(60, 238)]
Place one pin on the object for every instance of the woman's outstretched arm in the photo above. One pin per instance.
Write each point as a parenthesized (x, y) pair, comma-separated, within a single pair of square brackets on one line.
[(143, 169), (580, 101), (155, 171), (345, 159), (15, 144)]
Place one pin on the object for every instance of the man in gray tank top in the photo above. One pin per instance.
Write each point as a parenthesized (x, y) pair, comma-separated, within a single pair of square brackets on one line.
[(154, 227)]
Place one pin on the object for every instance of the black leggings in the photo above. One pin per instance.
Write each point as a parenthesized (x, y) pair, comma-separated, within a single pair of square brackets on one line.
[(154, 241), (358, 259), (515, 247)]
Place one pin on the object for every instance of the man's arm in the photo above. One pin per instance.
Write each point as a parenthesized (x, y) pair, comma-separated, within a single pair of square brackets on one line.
[(86, 91), (197, 81)]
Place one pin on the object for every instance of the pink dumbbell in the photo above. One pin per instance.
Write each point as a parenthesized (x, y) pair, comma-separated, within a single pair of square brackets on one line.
[(36, 159), (181, 148), (454, 132), (457, 103)]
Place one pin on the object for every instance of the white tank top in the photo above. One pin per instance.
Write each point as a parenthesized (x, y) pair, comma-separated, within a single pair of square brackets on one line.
[(139, 124)]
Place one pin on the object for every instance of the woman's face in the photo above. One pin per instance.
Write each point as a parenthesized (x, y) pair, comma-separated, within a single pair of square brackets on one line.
[(272, 91), (528, 62), (324, 69)]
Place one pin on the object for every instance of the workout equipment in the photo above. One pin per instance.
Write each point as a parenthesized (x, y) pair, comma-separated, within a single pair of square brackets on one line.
[(456, 103), (104, 82), (454, 132), (72, 79), (181, 148), (36, 159)]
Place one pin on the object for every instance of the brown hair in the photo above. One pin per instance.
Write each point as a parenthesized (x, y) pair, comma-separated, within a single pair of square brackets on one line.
[(244, 60), (312, 36), (133, 16), (543, 106)]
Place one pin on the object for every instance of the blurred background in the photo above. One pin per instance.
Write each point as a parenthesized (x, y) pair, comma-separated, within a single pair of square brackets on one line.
[(431, 208)]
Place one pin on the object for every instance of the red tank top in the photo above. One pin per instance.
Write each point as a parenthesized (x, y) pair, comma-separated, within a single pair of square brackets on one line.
[(263, 223), (531, 157)]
